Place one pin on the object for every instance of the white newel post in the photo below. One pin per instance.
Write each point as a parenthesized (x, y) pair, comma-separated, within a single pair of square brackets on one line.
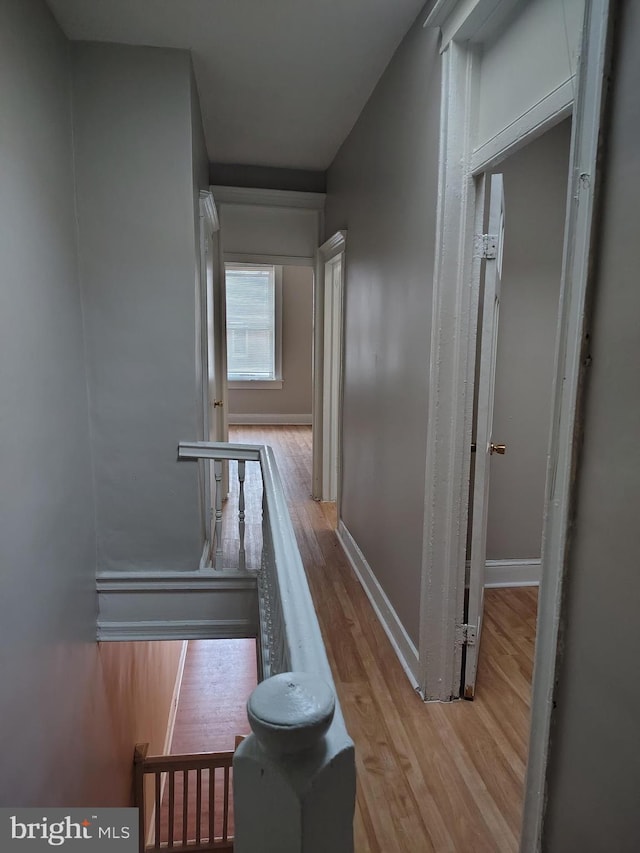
[(294, 778)]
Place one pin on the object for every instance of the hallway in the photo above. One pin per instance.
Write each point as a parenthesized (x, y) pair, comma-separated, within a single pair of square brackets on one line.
[(431, 777)]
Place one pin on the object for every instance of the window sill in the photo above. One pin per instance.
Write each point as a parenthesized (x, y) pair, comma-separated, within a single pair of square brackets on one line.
[(255, 384)]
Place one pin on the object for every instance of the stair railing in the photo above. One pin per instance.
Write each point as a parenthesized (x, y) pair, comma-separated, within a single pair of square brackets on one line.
[(294, 776), (191, 801)]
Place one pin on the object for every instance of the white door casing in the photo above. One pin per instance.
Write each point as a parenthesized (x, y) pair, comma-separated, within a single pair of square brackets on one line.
[(328, 304), (471, 29), (489, 247), (577, 274), (213, 348), (209, 225), (333, 278)]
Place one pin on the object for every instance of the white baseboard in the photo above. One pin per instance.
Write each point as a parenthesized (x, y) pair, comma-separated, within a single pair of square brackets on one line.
[(173, 710), (388, 618), (505, 573), (245, 420)]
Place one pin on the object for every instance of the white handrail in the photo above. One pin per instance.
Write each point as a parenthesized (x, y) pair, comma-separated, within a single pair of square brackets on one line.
[(305, 646), (304, 639), (218, 450)]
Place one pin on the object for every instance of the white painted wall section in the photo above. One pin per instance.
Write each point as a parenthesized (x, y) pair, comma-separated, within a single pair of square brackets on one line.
[(539, 46), (269, 223)]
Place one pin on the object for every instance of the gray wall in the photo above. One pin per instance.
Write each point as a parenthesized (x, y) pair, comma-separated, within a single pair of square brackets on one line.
[(297, 329), (47, 537), (535, 183), (382, 189), (595, 754), (134, 155), (71, 712)]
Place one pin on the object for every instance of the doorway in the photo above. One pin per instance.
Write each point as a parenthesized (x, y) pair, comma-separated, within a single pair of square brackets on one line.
[(511, 432), (328, 367)]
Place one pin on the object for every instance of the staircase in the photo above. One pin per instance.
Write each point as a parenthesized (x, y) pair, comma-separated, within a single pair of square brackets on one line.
[(294, 776)]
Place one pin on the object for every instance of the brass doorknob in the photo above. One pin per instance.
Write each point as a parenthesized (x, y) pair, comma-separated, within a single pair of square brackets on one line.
[(217, 403), (498, 448)]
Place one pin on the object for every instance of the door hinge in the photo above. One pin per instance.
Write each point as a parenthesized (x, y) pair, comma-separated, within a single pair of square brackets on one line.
[(486, 246), (468, 634)]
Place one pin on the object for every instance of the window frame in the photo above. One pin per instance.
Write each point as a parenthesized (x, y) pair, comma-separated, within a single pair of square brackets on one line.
[(261, 384)]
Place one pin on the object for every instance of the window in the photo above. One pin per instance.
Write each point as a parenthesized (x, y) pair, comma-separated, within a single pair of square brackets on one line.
[(253, 324)]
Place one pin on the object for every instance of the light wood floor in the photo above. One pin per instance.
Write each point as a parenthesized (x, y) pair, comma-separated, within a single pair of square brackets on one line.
[(431, 777)]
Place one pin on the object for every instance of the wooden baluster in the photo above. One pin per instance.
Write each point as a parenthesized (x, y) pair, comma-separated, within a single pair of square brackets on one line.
[(242, 558), (198, 804), (185, 806), (217, 467), (172, 805), (212, 804), (158, 781), (139, 756), (225, 813)]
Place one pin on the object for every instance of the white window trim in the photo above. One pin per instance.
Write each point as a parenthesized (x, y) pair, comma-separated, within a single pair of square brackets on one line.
[(277, 382), (256, 384)]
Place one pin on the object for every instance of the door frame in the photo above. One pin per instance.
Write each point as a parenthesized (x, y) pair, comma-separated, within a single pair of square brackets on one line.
[(465, 26), (325, 255), (209, 229), (585, 178), (452, 368)]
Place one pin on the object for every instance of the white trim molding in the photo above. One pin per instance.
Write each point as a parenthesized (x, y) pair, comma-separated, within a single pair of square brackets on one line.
[(209, 211), (291, 199), (256, 384), (173, 709), (278, 260), (450, 417), (331, 248), (549, 111), (577, 275), (509, 573), (394, 629), (265, 418), (468, 20), (180, 605)]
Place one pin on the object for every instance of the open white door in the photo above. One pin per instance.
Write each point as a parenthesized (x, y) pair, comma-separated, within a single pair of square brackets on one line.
[(213, 341), (492, 245)]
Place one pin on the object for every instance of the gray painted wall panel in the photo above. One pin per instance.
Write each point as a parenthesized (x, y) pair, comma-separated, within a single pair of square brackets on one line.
[(595, 753), (47, 537), (382, 189), (133, 137)]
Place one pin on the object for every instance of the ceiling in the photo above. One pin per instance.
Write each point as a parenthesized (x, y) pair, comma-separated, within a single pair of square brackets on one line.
[(281, 82)]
